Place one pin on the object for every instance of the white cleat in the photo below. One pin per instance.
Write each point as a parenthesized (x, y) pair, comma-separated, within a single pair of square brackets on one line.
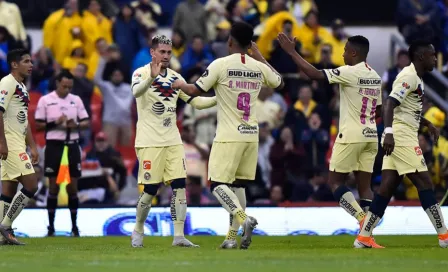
[(443, 243), (229, 244), (358, 244), (137, 239), (182, 242), (248, 227)]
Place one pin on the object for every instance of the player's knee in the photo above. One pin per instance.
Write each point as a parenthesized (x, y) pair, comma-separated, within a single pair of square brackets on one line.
[(29, 192), (213, 185), (151, 189), (178, 184)]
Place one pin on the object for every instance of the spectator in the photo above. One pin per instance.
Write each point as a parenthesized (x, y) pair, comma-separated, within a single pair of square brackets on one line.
[(267, 110), (95, 25), (190, 18), (264, 150), (109, 158), (196, 155), (443, 7), (316, 140), (92, 63), (337, 41), (418, 19), (305, 104), (216, 13), (196, 58), (148, 13), (118, 100), (277, 196), (283, 63), (42, 70), (115, 61), (84, 88), (204, 121), (178, 39), (320, 191), (324, 93), (312, 36), (390, 75), (299, 8), (287, 159), (61, 28), (76, 56), (12, 21), (125, 33), (219, 45), (7, 43)]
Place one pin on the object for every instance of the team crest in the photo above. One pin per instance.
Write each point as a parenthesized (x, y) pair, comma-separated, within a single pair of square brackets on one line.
[(418, 151), (147, 176), (23, 156), (406, 85), (28, 165)]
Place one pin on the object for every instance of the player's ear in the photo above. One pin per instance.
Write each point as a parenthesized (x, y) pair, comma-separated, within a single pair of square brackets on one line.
[(152, 51)]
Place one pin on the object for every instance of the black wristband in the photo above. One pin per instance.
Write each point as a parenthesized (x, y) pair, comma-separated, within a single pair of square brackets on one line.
[(51, 125)]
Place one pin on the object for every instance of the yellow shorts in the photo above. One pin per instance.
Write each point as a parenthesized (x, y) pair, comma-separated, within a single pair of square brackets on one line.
[(230, 161), (161, 164), (17, 164), (405, 160), (351, 157)]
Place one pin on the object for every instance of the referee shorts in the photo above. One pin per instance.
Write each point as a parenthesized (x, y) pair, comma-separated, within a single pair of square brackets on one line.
[(53, 156)]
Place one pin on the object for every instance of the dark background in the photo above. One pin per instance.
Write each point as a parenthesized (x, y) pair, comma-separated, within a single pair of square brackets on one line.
[(353, 12)]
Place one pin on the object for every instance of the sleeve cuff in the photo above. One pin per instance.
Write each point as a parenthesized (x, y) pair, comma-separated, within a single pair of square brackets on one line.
[(40, 120), (395, 100), (84, 119), (199, 88), (189, 100), (2, 109)]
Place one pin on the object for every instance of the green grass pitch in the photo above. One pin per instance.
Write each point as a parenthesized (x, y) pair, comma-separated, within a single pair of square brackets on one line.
[(292, 253)]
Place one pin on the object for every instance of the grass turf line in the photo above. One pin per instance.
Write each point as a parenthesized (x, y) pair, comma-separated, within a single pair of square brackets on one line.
[(291, 253)]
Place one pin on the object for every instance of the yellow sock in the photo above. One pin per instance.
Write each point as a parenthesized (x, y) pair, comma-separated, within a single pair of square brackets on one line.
[(231, 234), (241, 216)]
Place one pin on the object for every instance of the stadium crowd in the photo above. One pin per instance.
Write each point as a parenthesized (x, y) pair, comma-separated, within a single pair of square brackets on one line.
[(298, 124)]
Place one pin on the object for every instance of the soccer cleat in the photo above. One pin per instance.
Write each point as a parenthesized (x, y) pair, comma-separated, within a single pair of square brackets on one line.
[(365, 242), (75, 232), (137, 239), (51, 232), (8, 234), (2, 241), (443, 240), (183, 242), (248, 227), (229, 244)]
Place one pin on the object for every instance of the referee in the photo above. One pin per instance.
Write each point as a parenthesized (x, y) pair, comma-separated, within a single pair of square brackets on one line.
[(61, 115)]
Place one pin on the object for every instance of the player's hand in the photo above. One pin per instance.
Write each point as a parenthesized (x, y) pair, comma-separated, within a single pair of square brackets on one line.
[(3, 149), (61, 119), (256, 54), (156, 66), (34, 156), (434, 132), (388, 144), (286, 43), (177, 84), (72, 124)]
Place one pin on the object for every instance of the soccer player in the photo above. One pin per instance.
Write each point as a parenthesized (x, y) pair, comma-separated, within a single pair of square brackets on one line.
[(61, 115), (403, 156), (237, 80), (158, 144), (357, 141), (15, 135)]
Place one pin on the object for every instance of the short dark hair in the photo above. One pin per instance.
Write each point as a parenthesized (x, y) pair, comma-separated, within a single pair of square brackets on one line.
[(361, 43), (287, 22), (64, 74), (15, 56), (416, 47), (242, 33), (402, 52), (160, 39)]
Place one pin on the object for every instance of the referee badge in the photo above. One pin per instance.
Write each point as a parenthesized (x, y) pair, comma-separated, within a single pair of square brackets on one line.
[(147, 176)]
